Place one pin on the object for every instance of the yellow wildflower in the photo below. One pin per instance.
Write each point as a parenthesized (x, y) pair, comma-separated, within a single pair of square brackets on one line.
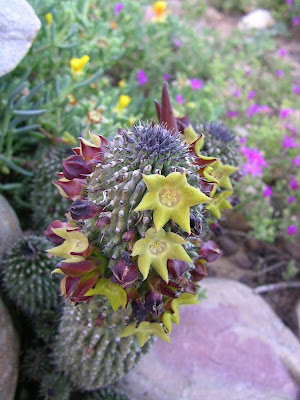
[(159, 8), (77, 64), (121, 83), (219, 203), (123, 102), (74, 246), (49, 18)]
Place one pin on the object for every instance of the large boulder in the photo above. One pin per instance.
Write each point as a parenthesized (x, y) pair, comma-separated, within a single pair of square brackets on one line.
[(229, 346), (10, 229), (9, 355), (19, 26), (257, 19)]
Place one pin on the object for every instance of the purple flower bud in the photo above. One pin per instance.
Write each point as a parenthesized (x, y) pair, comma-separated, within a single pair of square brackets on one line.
[(51, 235), (210, 251), (216, 229), (234, 201), (291, 199), (154, 303), (118, 9), (124, 275), (83, 209), (102, 222), (129, 235), (139, 311), (176, 268), (75, 167), (142, 77), (294, 184), (267, 192), (291, 230), (232, 114)]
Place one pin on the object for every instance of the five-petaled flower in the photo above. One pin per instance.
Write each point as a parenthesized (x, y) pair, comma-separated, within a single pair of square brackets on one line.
[(156, 248), (170, 197)]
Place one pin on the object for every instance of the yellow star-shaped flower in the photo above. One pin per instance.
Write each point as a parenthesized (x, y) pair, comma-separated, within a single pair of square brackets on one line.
[(74, 245), (169, 317), (114, 293), (144, 330), (220, 203), (221, 173), (171, 198), (156, 249)]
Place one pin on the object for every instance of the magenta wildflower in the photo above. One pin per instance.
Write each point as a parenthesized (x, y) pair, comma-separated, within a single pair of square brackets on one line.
[(251, 94), (296, 21), (254, 161), (118, 9), (289, 2), (267, 192), (196, 84), (236, 93), (141, 77), (291, 230), (232, 114), (282, 52), (285, 112), (252, 110), (292, 128), (242, 140), (296, 161), (264, 109), (296, 88), (177, 43), (279, 73), (179, 99), (166, 77), (294, 184), (291, 199), (288, 142), (248, 71)]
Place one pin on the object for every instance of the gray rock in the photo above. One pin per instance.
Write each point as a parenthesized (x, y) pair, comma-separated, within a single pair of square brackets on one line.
[(9, 355), (258, 19), (19, 26), (10, 229), (229, 346)]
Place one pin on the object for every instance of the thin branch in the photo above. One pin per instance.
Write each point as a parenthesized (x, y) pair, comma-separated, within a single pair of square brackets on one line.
[(276, 286)]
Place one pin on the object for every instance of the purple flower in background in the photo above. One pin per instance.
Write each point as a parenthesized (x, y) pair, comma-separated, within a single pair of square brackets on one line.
[(166, 77), (282, 52), (196, 84), (248, 71), (288, 142), (291, 230), (294, 184), (177, 43), (141, 77), (118, 9), (296, 21), (264, 109), (296, 161), (179, 99), (289, 2), (254, 161), (267, 192), (296, 89), (285, 112), (279, 73), (251, 94), (242, 140), (291, 199), (252, 110), (232, 114), (292, 128), (236, 93)]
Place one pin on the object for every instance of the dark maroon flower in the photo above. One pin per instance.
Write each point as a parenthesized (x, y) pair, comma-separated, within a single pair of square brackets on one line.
[(70, 189), (176, 268), (75, 269), (210, 251), (199, 272), (205, 186), (154, 303), (139, 311), (124, 275), (83, 209), (75, 167), (57, 224)]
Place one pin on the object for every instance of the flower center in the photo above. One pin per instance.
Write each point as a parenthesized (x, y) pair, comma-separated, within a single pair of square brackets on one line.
[(169, 197), (157, 247)]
